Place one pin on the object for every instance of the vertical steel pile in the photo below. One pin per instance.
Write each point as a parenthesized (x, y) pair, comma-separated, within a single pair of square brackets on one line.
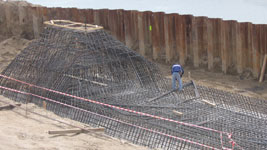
[(85, 61)]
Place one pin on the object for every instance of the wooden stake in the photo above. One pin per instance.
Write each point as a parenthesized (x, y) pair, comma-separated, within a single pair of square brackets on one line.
[(77, 131), (189, 75), (26, 109), (263, 68), (44, 105)]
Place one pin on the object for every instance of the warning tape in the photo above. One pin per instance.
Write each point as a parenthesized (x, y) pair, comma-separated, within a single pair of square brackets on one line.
[(150, 130), (116, 107), (229, 135)]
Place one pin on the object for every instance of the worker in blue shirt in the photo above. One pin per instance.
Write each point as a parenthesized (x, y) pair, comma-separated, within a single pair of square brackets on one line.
[(177, 73)]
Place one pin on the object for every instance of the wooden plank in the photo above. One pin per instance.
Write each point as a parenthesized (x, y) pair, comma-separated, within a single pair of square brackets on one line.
[(207, 102), (73, 25), (177, 112), (8, 107), (263, 68), (77, 131)]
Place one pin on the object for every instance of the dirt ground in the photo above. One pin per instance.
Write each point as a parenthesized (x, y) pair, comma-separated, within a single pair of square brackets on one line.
[(21, 132), (30, 133)]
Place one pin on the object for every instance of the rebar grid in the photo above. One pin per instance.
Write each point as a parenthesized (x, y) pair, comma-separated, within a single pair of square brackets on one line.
[(96, 66)]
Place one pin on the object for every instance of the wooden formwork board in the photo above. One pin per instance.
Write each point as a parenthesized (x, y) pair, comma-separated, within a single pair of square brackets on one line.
[(67, 24)]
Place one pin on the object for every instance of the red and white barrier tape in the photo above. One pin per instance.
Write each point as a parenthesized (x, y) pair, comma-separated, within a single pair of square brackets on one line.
[(116, 107), (120, 108), (150, 130)]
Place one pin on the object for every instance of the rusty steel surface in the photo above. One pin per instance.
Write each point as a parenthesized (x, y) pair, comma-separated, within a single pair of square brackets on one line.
[(198, 40)]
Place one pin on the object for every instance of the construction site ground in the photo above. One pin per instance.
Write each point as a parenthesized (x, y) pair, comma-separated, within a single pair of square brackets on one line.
[(18, 131), (243, 84)]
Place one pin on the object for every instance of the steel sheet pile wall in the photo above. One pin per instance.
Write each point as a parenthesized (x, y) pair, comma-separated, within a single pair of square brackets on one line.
[(211, 43), (112, 86), (228, 46)]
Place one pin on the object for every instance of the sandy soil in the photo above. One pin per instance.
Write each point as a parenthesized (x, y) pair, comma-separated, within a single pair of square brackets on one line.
[(20, 132)]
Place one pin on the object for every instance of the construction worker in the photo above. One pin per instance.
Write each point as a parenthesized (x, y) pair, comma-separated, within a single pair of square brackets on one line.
[(177, 73)]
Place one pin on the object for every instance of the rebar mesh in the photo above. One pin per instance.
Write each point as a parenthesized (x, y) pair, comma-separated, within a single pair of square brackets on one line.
[(96, 66)]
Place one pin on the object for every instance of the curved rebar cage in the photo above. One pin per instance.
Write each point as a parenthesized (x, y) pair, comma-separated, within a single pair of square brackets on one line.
[(113, 87)]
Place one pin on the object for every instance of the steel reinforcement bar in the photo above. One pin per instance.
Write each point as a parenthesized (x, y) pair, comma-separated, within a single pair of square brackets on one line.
[(96, 73)]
